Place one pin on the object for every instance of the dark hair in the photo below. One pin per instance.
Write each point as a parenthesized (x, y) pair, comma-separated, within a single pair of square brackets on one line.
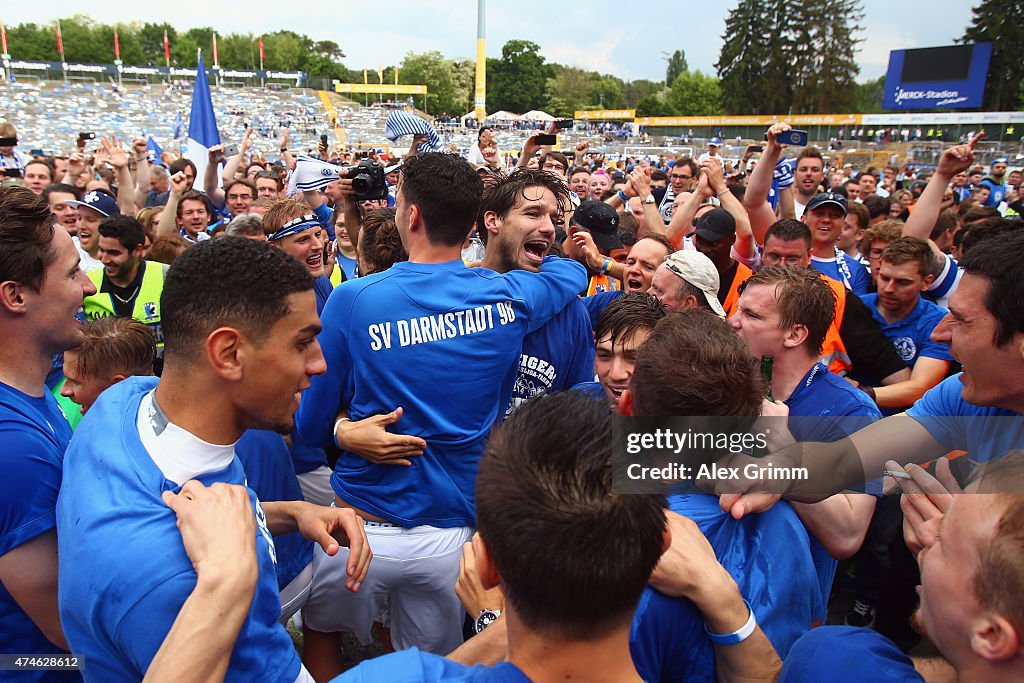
[(506, 194), (181, 164), (658, 174), (481, 130), (166, 249), (579, 169), (379, 241), (26, 237), (556, 156), (862, 212), (947, 220), (63, 188), (877, 206), (996, 257), (125, 229), (547, 512), (628, 227), (42, 162), (631, 312), (192, 195), (907, 249), (241, 181), (694, 363), (115, 345), (976, 212), (229, 281), (688, 161), (803, 297), (447, 191), (788, 230), (270, 175)]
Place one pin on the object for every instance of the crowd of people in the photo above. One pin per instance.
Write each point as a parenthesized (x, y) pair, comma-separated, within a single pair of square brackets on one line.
[(385, 402)]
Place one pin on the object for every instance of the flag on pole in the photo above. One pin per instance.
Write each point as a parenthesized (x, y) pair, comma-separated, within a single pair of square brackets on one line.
[(60, 43), (3, 37), (396, 75), (117, 46), (261, 53), (179, 127), (167, 50), (365, 78), (202, 124), (156, 149), (215, 62), (380, 74)]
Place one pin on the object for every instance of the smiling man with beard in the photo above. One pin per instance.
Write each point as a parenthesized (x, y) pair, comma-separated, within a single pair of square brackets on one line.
[(517, 222)]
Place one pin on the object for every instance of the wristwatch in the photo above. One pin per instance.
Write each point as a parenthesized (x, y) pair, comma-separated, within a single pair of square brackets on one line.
[(485, 619), (649, 199)]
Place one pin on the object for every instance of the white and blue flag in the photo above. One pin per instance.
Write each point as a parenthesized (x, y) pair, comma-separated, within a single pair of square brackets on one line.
[(202, 124)]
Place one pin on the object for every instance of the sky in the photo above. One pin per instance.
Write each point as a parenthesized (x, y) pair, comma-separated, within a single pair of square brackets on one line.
[(594, 34)]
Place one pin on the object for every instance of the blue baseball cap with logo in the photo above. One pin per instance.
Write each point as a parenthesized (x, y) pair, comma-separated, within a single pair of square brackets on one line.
[(715, 141), (100, 201)]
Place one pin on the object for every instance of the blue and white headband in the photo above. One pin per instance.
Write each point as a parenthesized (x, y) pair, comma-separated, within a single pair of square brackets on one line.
[(295, 225)]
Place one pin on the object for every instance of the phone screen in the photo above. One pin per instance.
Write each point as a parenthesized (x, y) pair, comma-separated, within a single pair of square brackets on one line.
[(547, 139)]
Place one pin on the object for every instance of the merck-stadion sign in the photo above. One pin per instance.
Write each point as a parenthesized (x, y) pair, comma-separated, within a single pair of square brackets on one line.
[(951, 76)]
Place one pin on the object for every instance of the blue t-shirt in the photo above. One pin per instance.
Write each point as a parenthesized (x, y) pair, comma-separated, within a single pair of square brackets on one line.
[(35, 435), (324, 215), (768, 555), (414, 666), (850, 272), (844, 654), (269, 473), (826, 408), (443, 341), (305, 458), (322, 288), (596, 304), (912, 335), (349, 265), (996, 194), (558, 356), (986, 433), (124, 573)]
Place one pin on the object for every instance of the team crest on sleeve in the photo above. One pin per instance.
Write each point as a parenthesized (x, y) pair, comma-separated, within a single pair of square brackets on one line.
[(261, 522), (906, 347)]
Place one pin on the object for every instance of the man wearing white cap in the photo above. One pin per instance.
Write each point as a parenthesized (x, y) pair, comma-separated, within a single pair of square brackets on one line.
[(687, 279)]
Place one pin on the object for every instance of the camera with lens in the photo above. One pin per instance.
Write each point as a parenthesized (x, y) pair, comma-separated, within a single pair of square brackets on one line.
[(368, 180)]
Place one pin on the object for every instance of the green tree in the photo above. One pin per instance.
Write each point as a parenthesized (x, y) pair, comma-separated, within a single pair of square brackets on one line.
[(151, 38), (517, 81), (464, 76), (438, 74), (676, 66), (655, 105), (696, 94), (571, 87), (636, 91), (824, 80), (31, 41), (1001, 22), (751, 83), (606, 92), (868, 96)]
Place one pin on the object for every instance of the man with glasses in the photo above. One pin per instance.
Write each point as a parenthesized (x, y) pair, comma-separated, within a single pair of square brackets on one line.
[(240, 195), (268, 185), (681, 179)]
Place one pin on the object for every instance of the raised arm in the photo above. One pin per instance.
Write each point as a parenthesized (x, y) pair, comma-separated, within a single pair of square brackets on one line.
[(286, 156), (682, 218), (168, 224), (755, 200), (232, 164), (142, 171), (210, 186), (112, 152)]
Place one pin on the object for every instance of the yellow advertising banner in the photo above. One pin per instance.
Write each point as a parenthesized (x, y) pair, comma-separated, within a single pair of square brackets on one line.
[(385, 89), (705, 121)]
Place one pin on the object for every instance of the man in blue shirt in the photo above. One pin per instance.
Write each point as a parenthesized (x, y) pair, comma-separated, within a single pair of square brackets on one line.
[(996, 183), (978, 410), (444, 342), (41, 293), (247, 347), (517, 219), (784, 313)]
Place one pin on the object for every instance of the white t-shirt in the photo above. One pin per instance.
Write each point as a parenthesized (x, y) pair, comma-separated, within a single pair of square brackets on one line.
[(87, 263)]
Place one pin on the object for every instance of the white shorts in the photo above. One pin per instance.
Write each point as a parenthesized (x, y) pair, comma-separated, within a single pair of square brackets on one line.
[(415, 568), (295, 594), (316, 486)]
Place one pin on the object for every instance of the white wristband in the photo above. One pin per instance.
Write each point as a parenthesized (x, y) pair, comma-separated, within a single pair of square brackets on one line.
[(737, 636), (340, 420)]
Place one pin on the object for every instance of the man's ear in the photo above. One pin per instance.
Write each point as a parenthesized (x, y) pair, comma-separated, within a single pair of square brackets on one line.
[(12, 296), (225, 351), (485, 567), (491, 222), (795, 336), (117, 378), (994, 638), (626, 403)]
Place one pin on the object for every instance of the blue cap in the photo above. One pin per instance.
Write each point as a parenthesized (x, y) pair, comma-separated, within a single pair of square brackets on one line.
[(1000, 160), (100, 201), (716, 141)]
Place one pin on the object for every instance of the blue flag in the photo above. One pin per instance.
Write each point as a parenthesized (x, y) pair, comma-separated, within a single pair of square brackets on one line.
[(156, 149), (202, 124), (179, 127)]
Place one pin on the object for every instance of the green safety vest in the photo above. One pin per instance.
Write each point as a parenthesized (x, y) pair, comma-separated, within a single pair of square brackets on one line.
[(146, 308)]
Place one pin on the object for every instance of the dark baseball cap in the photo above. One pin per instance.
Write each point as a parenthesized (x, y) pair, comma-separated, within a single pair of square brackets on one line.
[(601, 221), (99, 201), (716, 224), (823, 198)]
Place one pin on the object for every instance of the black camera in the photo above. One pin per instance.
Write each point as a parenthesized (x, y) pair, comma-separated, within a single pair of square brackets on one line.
[(368, 180)]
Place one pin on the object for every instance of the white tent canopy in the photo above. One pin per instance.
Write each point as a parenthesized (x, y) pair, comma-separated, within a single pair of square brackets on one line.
[(503, 115), (538, 115)]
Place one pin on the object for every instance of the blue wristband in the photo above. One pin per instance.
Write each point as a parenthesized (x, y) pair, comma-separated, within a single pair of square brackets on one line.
[(737, 636), (622, 196)]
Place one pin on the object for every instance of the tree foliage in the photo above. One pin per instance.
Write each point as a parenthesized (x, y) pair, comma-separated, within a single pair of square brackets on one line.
[(516, 82), (1001, 22), (676, 66), (790, 56)]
